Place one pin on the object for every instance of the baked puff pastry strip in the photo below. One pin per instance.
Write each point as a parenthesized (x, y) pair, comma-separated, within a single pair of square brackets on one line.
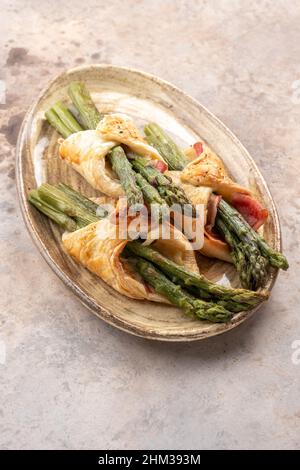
[(121, 129)]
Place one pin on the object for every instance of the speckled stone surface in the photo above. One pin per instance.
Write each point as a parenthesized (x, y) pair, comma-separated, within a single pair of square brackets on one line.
[(69, 380)]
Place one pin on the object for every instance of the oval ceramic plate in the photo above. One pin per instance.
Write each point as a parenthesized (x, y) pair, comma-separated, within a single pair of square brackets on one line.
[(145, 98)]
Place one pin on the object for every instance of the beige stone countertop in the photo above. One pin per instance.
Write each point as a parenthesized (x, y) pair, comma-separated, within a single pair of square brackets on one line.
[(70, 381)]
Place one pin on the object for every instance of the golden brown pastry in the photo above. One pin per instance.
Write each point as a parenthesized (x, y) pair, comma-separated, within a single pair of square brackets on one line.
[(214, 247), (208, 170), (86, 152), (121, 129)]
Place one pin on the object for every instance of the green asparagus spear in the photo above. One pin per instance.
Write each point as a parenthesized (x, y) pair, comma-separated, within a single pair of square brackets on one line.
[(57, 123), (66, 117), (151, 174), (59, 201), (84, 202), (151, 195), (243, 229), (237, 253), (276, 259), (63, 220), (163, 143), (256, 250), (170, 192), (123, 169), (177, 296), (81, 98), (235, 300), (251, 266), (159, 208), (68, 208)]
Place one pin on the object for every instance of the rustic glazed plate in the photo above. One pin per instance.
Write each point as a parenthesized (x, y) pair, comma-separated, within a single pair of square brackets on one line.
[(145, 98)]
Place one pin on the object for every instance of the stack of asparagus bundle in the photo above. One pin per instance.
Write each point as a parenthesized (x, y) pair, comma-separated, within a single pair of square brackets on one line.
[(65, 206), (250, 253), (174, 157), (191, 292)]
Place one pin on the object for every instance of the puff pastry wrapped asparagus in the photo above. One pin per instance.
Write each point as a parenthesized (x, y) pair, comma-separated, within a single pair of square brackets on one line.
[(158, 269), (230, 208)]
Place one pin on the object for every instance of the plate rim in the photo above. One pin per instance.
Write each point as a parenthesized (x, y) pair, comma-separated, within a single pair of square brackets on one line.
[(107, 314)]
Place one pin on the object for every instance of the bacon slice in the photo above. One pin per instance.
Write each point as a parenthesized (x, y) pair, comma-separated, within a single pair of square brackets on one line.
[(250, 209), (160, 165), (149, 288), (212, 208), (198, 147)]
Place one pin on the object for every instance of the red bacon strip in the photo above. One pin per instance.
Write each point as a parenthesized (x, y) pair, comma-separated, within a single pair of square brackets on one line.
[(198, 147), (160, 165), (212, 208), (250, 209)]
